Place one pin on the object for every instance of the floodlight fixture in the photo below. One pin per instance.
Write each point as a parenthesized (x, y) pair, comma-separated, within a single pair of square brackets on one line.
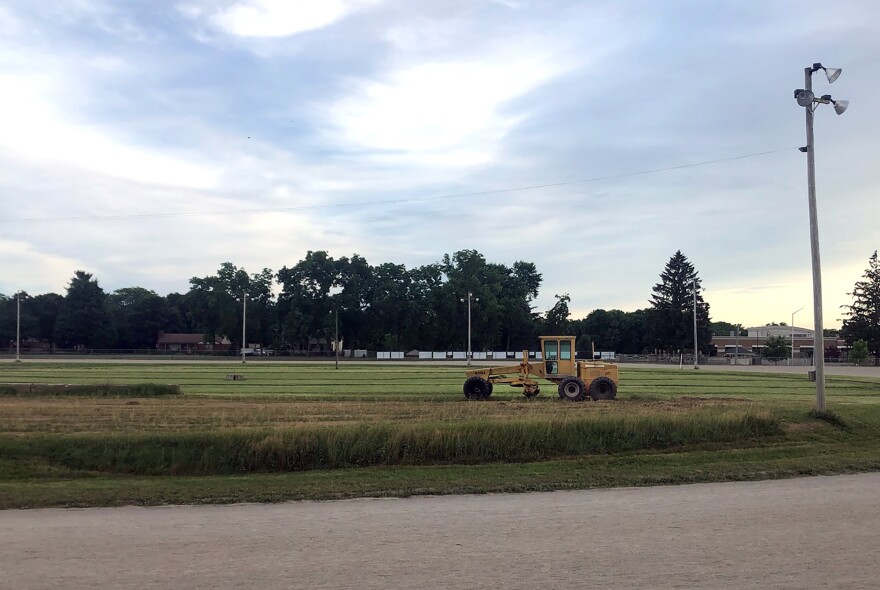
[(840, 106), (831, 73), (804, 98)]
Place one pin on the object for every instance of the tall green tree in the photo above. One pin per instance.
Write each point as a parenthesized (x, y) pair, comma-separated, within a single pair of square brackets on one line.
[(519, 320), (305, 309), (670, 320), (45, 309), (216, 304), (359, 303), (863, 322), (390, 308), (179, 317), (84, 318), (556, 321), (138, 314), (776, 348), (612, 330), (859, 352)]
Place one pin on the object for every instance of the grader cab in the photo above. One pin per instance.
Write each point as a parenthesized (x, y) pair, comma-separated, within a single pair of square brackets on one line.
[(574, 379)]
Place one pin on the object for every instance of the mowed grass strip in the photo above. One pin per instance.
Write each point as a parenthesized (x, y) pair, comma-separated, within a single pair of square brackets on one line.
[(85, 390), (359, 445), (413, 381)]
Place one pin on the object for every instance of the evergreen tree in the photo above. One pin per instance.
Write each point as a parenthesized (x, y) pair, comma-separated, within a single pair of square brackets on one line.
[(670, 319), (863, 322), (84, 317)]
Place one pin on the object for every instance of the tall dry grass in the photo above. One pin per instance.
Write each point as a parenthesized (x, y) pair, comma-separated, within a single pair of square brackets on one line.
[(322, 447)]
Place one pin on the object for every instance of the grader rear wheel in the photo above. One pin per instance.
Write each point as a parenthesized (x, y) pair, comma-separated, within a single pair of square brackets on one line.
[(603, 388)]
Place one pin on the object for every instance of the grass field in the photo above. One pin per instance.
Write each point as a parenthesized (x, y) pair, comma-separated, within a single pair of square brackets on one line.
[(307, 431)]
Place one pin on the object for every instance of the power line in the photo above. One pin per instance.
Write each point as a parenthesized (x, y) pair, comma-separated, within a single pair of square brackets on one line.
[(387, 201)]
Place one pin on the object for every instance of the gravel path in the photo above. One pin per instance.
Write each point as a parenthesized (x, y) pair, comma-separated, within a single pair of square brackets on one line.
[(820, 532)]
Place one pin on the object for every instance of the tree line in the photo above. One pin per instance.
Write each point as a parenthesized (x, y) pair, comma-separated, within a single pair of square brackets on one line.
[(381, 307)]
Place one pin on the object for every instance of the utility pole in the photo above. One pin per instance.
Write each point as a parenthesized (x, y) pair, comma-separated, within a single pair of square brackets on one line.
[(336, 339)]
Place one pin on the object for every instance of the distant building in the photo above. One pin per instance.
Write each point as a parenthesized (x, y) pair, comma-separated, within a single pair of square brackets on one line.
[(190, 343), (753, 340)]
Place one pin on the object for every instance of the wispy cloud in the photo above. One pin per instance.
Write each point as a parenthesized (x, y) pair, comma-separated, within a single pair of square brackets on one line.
[(444, 114), (273, 18)]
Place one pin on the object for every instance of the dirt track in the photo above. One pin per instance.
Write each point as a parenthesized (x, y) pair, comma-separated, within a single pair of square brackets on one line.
[(801, 533)]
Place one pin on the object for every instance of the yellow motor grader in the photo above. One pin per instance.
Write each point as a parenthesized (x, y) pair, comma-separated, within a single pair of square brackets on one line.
[(574, 379)]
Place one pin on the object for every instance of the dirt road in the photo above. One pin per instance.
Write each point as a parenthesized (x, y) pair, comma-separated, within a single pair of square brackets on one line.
[(800, 533)]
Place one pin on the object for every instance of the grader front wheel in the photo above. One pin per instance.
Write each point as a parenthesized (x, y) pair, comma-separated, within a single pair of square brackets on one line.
[(572, 389), (477, 388)]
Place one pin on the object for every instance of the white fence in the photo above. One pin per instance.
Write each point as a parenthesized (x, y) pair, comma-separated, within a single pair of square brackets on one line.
[(456, 355)]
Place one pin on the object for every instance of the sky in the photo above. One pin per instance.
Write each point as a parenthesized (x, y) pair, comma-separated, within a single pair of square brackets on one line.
[(147, 142)]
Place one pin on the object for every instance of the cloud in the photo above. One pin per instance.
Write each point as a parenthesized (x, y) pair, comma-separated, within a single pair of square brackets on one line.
[(277, 18), (444, 114), (27, 268), (34, 128)]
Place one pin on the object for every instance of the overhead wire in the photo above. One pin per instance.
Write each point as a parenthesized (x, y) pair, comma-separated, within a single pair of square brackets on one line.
[(388, 201)]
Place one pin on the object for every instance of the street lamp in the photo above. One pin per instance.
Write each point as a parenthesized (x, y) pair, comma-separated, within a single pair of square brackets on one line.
[(336, 336), (736, 353), (469, 297), (808, 100), (791, 362), (18, 328), (243, 325)]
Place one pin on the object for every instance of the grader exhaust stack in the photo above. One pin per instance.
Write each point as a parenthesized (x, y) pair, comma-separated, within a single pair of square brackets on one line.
[(574, 379)]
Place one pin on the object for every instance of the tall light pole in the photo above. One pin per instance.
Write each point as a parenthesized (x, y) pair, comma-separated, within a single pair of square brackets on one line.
[(336, 337), (18, 328), (791, 362), (696, 364), (469, 329), (808, 100), (243, 325), (736, 353), (469, 297)]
